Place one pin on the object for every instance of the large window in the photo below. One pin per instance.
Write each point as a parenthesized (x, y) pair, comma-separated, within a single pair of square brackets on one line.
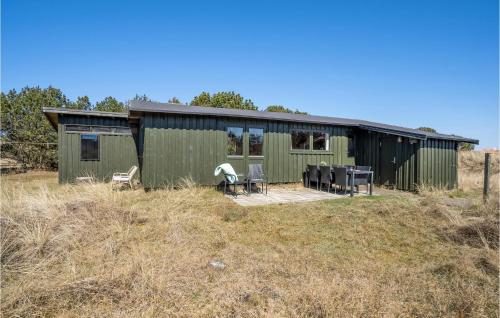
[(310, 140), (234, 141), (351, 147), (300, 139), (89, 147), (320, 140), (256, 141)]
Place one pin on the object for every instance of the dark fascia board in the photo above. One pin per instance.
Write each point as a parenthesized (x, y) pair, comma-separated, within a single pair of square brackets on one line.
[(139, 107), (452, 137), (52, 114), (393, 132), (79, 112)]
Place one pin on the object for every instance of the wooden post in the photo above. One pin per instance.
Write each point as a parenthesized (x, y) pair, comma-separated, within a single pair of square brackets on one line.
[(486, 176)]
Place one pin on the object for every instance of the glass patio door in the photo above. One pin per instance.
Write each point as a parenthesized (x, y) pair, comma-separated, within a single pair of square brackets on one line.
[(256, 146), (245, 145)]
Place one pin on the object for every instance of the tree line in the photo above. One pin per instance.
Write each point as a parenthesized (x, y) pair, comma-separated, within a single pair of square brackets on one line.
[(26, 135)]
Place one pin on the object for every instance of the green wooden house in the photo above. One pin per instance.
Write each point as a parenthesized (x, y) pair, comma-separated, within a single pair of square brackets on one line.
[(172, 141)]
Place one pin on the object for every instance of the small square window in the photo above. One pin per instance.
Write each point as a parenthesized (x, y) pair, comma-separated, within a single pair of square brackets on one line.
[(89, 147), (320, 141), (300, 139)]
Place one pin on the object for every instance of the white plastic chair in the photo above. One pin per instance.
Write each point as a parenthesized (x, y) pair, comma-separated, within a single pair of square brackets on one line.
[(122, 177)]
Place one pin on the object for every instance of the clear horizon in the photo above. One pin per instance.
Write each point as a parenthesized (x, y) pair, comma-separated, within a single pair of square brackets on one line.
[(408, 64)]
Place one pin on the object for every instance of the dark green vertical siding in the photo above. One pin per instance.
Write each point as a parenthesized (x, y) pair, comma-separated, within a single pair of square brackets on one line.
[(117, 153), (437, 163), (178, 146), (168, 148), (406, 165), (368, 153), (430, 162)]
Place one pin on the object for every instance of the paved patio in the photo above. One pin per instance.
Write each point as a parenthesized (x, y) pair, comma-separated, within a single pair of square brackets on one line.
[(276, 196)]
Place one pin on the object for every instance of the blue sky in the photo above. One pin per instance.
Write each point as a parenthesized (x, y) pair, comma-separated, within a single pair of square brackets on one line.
[(409, 63)]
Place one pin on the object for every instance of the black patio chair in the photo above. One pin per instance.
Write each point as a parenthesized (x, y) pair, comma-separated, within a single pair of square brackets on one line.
[(255, 175), (362, 179), (341, 178), (364, 168), (333, 170), (239, 182), (313, 175), (325, 176)]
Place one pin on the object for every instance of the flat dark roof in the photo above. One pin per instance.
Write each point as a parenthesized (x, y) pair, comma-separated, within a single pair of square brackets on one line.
[(52, 114), (138, 107)]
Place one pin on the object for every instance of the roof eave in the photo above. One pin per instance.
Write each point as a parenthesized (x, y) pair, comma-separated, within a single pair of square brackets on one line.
[(393, 132), (53, 122), (138, 108), (134, 111), (78, 112), (456, 138)]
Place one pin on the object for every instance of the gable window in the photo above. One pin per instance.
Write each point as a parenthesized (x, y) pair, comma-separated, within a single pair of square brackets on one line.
[(256, 141), (234, 141), (122, 130), (351, 148), (89, 147), (320, 140), (300, 139), (106, 130), (77, 128), (102, 129)]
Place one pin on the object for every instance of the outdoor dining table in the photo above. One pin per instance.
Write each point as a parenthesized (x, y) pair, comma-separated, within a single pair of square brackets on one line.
[(354, 172)]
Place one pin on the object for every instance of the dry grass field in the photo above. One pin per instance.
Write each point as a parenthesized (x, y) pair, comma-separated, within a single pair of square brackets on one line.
[(73, 251)]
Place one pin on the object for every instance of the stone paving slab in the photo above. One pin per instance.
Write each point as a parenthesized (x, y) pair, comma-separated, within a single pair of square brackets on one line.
[(280, 196)]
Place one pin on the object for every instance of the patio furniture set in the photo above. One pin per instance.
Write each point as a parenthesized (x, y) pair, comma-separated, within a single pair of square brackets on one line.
[(322, 175), (330, 176), (255, 176), (339, 176)]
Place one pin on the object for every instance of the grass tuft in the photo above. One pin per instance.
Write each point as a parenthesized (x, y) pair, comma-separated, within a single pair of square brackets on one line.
[(234, 215), (484, 233)]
